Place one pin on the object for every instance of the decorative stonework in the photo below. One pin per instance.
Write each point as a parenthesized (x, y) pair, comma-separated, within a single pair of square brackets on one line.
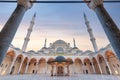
[(94, 3), (25, 3)]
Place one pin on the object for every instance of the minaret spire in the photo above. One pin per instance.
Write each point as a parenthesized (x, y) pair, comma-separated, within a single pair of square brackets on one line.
[(92, 38), (27, 38), (45, 42), (74, 42)]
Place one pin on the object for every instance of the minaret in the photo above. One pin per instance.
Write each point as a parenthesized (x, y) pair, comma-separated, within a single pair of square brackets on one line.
[(74, 42), (45, 42), (92, 38), (27, 38)]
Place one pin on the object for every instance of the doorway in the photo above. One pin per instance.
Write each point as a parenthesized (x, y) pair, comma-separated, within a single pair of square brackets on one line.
[(60, 71)]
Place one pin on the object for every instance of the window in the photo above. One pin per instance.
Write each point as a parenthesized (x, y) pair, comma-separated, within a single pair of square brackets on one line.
[(90, 63), (118, 65), (33, 71), (29, 64), (113, 65), (6, 65), (86, 71), (100, 59), (34, 63), (1, 65)]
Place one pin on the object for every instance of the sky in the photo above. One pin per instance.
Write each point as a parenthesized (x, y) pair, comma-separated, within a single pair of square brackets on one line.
[(60, 21)]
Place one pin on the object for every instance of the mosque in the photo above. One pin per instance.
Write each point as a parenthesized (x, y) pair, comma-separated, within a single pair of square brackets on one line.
[(61, 59)]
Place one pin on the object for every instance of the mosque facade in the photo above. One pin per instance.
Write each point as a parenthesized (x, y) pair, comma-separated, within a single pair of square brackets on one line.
[(60, 59)]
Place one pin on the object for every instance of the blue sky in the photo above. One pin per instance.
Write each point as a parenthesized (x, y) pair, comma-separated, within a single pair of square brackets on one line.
[(60, 21)]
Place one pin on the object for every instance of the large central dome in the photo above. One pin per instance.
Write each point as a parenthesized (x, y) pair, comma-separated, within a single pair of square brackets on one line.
[(59, 42)]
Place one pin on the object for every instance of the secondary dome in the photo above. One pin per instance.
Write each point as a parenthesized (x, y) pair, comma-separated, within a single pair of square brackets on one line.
[(60, 59)]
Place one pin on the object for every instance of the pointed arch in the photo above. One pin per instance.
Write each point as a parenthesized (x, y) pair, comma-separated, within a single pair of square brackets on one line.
[(95, 63), (103, 64), (78, 65), (113, 62), (32, 65), (42, 65), (6, 64), (25, 61), (88, 66), (17, 64)]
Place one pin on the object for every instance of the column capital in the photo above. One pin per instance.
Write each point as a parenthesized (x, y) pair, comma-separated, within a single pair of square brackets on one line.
[(25, 3), (94, 3)]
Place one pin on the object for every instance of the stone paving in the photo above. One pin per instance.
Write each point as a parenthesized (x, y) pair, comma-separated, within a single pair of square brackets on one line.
[(47, 77)]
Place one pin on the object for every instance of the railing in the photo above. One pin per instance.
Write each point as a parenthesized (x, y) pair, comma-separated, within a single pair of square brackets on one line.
[(71, 77)]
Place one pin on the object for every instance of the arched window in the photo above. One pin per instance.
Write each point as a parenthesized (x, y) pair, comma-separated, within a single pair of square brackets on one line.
[(90, 64), (60, 50), (12, 70), (107, 69), (118, 65), (100, 59), (34, 63), (113, 65), (1, 65), (33, 71), (86, 71), (6, 65)]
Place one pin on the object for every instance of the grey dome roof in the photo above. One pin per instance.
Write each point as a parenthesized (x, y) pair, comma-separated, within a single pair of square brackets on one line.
[(60, 59)]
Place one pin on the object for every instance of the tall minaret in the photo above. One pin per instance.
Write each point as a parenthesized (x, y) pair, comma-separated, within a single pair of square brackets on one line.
[(92, 38), (74, 42), (27, 38), (45, 42)]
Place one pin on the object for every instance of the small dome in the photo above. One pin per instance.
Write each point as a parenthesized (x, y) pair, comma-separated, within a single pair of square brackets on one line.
[(60, 59)]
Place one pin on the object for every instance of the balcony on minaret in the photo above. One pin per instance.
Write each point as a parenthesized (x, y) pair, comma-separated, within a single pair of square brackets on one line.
[(32, 22), (30, 29), (26, 39)]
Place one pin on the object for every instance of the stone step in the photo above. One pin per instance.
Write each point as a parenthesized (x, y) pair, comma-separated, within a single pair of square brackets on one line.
[(47, 77)]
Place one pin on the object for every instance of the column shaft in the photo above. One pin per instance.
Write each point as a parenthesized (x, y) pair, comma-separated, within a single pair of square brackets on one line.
[(83, 68), (99, 66), (93, 68), (9, 30), (13, 62), (20, 66), (37, 64), (108, 65), (110, 28), (27, 67)]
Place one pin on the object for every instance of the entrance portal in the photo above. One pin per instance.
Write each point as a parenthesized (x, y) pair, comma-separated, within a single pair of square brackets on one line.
[(60, 71)]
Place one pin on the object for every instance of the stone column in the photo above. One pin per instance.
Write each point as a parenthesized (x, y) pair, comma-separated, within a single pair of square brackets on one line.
[(52, 70), (27, 67), (83, 68), (10, 28), (99, 66), (74, 71), (107, 65), (93, 67), (46, 68), (20, 66), (110, 28), (37, 64), (68, 69), (13, 62)]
